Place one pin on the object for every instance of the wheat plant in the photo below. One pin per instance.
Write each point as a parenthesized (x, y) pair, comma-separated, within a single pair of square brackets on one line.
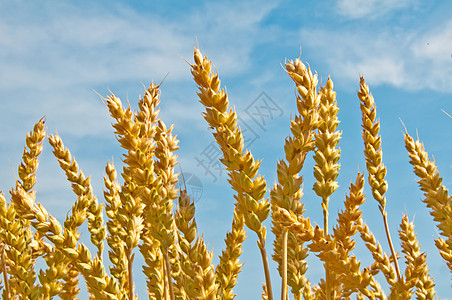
[(140, 209)]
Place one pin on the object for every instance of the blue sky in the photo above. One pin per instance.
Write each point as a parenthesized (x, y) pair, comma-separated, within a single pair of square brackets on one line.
[(55, 56)]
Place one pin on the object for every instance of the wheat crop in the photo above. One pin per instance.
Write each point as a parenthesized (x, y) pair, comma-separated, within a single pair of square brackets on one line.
[(145, 210)]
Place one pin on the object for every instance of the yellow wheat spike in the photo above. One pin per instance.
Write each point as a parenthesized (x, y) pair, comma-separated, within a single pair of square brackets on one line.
[(251, 189), (436, 195)]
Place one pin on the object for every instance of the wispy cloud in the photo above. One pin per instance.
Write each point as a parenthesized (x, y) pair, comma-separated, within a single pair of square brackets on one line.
[(70, 46), (56, 54), (74, 48), (411, 60), (357, 9)]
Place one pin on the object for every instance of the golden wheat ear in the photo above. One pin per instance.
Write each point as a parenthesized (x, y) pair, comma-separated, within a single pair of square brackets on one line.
[(251, 189), (436, 195), (20, 247), (197, 279), (374, 159), (296, 149), (327, 155), (229, 267), (16, 251), (81, 186), (116, 254), (416, 272)]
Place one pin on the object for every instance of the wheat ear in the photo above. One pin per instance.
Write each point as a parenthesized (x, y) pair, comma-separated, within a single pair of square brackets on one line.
[(98, 282), (137, 173), (24, 247), (116, 253), (241, 166), (30, 162), (198, 280), (327, 156), (229, 267), (347, 278), (158, 201), (348, 268), (382, 261), (374, 156), (16, 238), (416, 272), (6, 290), (296, 148), (82, 188), (436, 195), (186, 224), (167, 144)]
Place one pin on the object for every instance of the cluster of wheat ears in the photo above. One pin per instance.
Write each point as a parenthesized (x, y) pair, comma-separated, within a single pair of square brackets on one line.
[(177, 262)]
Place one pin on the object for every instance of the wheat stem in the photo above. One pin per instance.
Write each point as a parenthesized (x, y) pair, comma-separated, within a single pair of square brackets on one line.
[(168, 274), (284, 266), (325, 231), (130, 273), (268, 283), (388, 236)]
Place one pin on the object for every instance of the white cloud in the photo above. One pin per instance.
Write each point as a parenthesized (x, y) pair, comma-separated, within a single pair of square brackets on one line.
[(71, 46), (411, 60), (74, 48), (54, 55), (357, 9)]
